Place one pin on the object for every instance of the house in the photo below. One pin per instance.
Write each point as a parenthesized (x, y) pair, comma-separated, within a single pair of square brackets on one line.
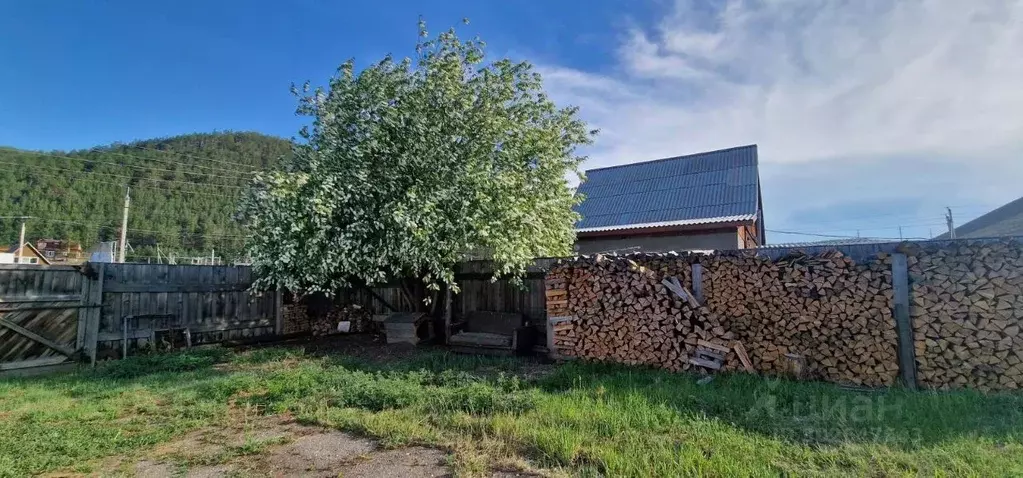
[(29, 255), (704, 201), (59, 251), (1004, 221)]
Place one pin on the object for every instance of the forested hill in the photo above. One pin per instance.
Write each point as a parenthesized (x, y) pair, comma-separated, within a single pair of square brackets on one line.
[(184, 192)]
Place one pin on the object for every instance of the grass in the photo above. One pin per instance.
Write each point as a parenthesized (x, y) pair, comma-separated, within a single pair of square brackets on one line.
[(580, 419)]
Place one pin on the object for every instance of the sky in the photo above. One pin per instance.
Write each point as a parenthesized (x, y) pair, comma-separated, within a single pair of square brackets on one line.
[(870, 117)]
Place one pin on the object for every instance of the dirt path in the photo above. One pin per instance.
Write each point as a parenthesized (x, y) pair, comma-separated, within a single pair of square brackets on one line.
[(280, 447)]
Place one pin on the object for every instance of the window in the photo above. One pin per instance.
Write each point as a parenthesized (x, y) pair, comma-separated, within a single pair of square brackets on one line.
[(33, 260), (49, 253)]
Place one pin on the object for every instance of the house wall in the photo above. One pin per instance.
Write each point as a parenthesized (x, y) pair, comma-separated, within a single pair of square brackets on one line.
[(27, 254), (726, 239)]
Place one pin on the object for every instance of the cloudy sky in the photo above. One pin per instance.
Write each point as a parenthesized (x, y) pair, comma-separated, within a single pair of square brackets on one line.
[(869, 115)]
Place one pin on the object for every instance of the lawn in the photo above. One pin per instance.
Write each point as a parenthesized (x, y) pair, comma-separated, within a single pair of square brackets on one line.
[(573, 419)]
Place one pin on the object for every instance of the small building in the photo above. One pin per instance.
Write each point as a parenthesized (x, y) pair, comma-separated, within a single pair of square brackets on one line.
[(28, 254), (59, 251), (1005, 221), (704, 201)]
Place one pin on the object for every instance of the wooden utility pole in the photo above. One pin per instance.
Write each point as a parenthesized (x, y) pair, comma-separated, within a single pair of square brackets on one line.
[(124, 227), (951, 224), (21, 243)]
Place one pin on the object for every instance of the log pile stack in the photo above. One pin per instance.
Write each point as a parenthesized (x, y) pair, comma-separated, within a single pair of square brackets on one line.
[(358, 316), (296, 319), (967, 309), (619, 311), (827, 311)]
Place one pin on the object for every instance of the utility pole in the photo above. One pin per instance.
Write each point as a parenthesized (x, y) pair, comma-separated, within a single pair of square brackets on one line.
[(158, 261), (213, 256), (951, 223), (124, 226), (900, 233), (21, 243)]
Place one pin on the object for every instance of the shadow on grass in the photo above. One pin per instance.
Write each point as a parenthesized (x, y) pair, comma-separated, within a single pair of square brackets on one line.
[(609, 398), (809, 413)]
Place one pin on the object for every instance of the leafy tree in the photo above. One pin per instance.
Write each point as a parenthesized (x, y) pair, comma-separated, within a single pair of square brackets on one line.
[(410, 166)]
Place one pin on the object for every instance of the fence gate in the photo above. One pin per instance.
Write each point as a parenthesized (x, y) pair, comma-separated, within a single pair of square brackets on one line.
[(39, 316)]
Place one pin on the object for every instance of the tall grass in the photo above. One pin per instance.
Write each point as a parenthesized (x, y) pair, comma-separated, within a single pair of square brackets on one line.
[(584, 419)]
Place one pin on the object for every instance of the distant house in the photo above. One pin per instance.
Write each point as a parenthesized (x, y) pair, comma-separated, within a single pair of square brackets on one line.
[(59, 251), (1004, 221), (705, 201), (29, 255)]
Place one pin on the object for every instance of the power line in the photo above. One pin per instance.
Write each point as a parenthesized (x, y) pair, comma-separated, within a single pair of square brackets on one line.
[(194, 157), (797, 233), (144, 168), (151, 231), (168, 161), (129, 177)]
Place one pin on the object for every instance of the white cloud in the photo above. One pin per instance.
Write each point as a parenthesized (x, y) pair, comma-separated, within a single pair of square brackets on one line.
[(913, 87)]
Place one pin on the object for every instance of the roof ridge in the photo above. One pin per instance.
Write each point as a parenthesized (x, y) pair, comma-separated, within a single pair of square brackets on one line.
[(684, 156), (993, 216)]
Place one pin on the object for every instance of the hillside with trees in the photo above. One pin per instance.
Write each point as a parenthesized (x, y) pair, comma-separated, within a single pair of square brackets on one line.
[(184, 192)]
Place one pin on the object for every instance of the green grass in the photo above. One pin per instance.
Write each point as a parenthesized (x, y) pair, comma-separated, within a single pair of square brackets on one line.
[(583, 419)]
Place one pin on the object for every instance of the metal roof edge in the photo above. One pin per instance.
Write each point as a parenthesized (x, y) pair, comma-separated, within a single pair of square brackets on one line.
[(684, 222), (681, 156)]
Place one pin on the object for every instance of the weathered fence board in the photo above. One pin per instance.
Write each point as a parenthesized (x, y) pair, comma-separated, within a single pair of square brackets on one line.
[(213, 303), (40, 310)]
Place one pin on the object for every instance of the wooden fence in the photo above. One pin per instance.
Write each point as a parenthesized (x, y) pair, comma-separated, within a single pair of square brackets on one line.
[(40, 310), (52, 316), (142, 305)]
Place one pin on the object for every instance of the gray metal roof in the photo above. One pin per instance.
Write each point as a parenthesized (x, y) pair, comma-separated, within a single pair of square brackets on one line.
[(1004, 221), (703, 188)]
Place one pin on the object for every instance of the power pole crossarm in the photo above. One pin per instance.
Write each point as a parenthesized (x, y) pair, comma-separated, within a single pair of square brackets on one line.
[(124, 226)]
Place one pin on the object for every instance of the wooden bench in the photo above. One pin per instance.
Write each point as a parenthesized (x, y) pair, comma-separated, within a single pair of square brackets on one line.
[(496, 333)]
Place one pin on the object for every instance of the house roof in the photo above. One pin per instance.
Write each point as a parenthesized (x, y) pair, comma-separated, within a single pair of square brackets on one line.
[(14, 248), (704, 188), (1004, 221)]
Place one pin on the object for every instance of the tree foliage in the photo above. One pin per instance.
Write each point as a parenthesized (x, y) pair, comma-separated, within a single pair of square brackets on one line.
[(411, 166), (185, 191)]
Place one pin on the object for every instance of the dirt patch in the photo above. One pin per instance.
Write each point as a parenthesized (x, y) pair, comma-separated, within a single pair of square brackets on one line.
[(276, 446), (415, 461), (319, 453)]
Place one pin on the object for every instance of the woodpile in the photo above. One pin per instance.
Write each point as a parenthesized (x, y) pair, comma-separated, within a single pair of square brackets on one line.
[(967, 310), (643, 309), (827, 311), (296, 319), (358, 318)]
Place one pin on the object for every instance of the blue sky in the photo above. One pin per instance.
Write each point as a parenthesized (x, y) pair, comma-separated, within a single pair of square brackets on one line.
[(88, 73), (868, 115)]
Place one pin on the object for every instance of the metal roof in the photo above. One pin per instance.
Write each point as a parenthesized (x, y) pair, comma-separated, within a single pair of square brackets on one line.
[(703, 188), (1004, 221)]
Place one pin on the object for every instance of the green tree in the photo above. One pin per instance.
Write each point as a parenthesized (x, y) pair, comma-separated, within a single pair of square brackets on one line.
[(412, 165)]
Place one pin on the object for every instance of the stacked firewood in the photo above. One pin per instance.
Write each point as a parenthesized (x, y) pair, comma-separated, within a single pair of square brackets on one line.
[(826, 312), (296, 319), (967, 310), (358, 320)]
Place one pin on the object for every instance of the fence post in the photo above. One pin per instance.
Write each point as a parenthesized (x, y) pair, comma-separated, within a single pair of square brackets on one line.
[(904, 326), (84, 313), (94, 313), (698, 281), (278, 312)]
